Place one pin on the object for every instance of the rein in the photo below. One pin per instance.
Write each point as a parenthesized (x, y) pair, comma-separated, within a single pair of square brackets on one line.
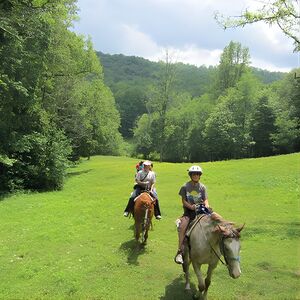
[(219, 257), (222, 248)]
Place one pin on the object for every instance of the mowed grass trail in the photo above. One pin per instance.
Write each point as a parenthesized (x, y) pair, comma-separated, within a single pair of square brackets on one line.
[(75, 243)]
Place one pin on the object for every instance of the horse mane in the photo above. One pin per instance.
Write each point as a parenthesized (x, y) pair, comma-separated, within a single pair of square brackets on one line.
[(224, 226)]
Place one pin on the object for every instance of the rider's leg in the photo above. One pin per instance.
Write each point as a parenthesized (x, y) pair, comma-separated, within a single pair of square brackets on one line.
[(184, 222), (130, 204), (181, 232), (157, 209), (157, 212)]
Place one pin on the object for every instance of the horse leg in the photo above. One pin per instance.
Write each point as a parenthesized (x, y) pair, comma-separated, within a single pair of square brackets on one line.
[(208, 279), (137, 231), (145, 227), (185, 267), (201, 284)]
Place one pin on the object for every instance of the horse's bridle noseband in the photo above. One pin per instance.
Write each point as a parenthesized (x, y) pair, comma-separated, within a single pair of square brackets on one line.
[(222, 248)]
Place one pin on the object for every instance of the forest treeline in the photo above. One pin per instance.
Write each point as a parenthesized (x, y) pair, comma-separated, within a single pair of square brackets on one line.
[(130, 78), (56, 105), (176, 112)]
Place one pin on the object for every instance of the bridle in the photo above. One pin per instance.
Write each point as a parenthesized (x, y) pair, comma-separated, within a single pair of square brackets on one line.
[(222, 247)]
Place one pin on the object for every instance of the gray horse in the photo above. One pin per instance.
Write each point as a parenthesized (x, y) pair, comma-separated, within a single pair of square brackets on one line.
[(209, 238)]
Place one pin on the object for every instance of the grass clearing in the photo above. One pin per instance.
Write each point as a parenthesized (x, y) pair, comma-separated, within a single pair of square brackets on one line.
[(75, 243)]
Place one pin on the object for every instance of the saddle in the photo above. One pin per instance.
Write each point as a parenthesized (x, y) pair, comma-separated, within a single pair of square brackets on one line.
[(193, 224), (214, 217), (153, 199)]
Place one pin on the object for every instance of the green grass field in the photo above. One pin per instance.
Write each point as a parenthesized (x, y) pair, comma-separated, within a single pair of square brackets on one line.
[(75, 243)]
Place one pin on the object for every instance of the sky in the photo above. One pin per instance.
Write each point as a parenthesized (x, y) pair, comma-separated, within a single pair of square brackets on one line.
[(186, 28)]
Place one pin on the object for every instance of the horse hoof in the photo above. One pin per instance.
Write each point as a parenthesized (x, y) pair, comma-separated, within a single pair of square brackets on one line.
[(197, 296)]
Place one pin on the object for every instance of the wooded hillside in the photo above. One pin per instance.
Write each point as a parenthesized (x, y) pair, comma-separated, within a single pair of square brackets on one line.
[(178, 112)]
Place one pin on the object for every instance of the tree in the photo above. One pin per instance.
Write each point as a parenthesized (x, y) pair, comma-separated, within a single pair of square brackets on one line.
[(283, 13), (221, 133), (143, 139), (262, 127), (234, 62), (37, 149), (286, 139), (52, 95), (160, 102), (131, 103)]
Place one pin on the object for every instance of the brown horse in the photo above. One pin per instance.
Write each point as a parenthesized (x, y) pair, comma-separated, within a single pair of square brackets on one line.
[(143, 213)]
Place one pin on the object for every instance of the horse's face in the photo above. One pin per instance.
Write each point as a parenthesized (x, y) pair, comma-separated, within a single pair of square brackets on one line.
[(231, 253)]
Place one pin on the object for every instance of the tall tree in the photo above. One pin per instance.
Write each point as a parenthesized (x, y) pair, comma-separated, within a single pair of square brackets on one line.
[(234, 62), (45, 69), (160, 102), (131, 103), (262, 127)]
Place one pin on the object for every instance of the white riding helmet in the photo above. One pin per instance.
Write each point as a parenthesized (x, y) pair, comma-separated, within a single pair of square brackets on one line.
[(147, 163), (195, 169)]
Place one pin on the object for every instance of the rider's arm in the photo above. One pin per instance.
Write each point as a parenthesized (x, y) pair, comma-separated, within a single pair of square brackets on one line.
[(205, 202), (187, 204), (152, 187), (139, 182)]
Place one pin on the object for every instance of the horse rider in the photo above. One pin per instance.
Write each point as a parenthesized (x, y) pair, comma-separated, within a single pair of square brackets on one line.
[(145, 180), (195, 201)]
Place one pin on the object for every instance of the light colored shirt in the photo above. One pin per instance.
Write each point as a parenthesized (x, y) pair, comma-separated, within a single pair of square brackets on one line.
[(144, 177)]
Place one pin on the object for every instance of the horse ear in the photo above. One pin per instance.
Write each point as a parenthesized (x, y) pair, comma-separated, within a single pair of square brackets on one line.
[(220, 228), (240, 228)]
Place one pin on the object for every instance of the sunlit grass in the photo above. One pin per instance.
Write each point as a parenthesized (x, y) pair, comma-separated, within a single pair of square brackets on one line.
[(75, 243)]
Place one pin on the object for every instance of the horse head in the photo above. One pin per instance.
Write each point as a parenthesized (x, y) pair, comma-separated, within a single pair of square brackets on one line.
[(230, 247)]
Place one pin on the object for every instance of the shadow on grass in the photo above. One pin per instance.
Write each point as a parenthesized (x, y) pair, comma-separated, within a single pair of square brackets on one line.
[(282, 230), (133, 250), (4, 196), (175, 290), (277, 272), (70, 174)]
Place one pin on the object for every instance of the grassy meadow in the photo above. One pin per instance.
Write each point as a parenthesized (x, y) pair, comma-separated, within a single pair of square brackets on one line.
[(75, 243)]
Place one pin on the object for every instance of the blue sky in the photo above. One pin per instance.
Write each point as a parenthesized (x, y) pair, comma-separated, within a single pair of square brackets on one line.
[(187, 28)]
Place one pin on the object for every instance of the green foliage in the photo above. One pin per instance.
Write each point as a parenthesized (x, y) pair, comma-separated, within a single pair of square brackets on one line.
[(39, 162), (234, 63), (229, 121), (282, 13), (143, 136), (131, 103), (52, 95), (287, 132), (262, 126), (221, 133), (132, 79)]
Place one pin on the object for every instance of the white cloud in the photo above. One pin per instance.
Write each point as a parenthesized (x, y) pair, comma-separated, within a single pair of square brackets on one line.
[(190, 54), (135, 42), (266, 65), (187, 28)]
